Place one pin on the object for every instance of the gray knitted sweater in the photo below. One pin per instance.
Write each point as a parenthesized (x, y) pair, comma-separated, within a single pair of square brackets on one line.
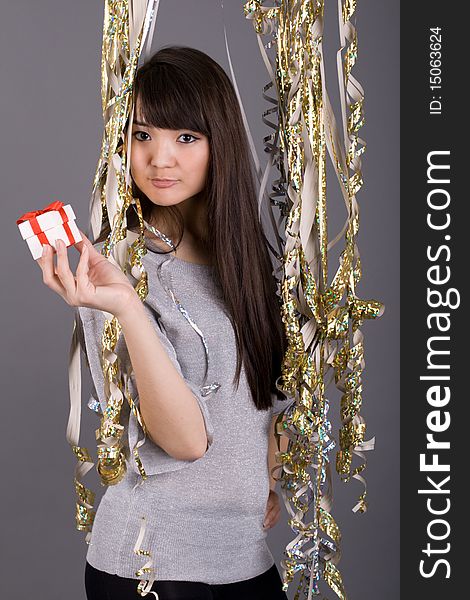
[(204, 518)]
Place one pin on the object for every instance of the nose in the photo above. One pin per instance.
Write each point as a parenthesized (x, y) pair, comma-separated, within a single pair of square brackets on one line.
[(162, 154)]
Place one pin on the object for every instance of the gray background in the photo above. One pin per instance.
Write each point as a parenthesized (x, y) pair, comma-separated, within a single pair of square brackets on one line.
[(51, 133)]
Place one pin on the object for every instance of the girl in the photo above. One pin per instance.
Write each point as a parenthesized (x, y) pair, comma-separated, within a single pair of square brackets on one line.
[(205, 348)]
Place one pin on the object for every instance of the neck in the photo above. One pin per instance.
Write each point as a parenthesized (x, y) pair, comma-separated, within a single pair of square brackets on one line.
[(194, 243), (193, 213)]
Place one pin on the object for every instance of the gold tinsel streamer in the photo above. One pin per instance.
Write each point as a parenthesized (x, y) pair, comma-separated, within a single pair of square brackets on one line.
[(318, 327), (127, 23), (323, 333)]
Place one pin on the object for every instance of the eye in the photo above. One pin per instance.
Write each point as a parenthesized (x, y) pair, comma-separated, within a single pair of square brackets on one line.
[(137, 133), (189, 135)]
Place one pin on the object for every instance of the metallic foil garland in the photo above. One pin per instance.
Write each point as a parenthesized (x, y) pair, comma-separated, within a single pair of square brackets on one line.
[(127, 24), (323, 332)]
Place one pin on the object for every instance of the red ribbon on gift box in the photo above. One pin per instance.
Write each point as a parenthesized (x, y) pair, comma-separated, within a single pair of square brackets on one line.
[(57, 205)]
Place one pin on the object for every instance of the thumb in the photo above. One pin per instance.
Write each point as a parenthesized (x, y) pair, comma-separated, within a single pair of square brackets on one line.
[(85, 242)]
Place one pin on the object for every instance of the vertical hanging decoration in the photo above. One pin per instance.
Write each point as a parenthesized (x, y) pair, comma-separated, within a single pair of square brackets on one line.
[(322, 317), (127, 25)]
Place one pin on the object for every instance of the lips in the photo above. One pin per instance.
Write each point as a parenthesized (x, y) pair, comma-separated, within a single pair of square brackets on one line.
[(164, 183)]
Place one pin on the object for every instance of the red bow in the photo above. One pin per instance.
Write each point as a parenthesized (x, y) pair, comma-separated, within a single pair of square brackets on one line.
[(57, 205), (31, 216)]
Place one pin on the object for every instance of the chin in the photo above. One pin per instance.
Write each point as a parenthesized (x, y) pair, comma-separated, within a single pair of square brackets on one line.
[(162, 200)]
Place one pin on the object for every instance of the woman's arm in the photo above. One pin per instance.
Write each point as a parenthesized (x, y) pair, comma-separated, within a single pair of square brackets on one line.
[(168, 407)]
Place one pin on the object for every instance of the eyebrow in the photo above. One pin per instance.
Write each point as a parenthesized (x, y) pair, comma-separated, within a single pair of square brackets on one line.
[(142, 124)]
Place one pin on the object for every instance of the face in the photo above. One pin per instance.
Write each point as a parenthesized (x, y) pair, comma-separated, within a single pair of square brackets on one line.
[(181, 156)]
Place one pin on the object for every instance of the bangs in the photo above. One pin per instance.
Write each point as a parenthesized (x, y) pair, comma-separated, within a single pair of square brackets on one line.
[(169, 100)]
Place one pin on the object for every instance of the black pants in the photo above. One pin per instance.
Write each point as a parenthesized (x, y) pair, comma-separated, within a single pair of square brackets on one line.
[(104, 586)]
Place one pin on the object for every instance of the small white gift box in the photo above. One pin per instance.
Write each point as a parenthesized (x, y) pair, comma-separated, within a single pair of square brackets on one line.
[(55, 221)]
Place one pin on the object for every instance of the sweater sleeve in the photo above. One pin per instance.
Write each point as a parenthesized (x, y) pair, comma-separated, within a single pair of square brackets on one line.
[(154, 459)]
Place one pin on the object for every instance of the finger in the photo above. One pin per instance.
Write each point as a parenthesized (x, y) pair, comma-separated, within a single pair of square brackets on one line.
[(85, 242), (272, 510), (272, 502), (266, 523), (64, 273), (82, 270), (46, 262), (268, 515), (94, 257), (83, 262), (267, 518), (271, 518)]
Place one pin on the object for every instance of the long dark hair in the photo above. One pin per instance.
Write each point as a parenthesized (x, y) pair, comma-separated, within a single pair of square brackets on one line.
[(183, 88)]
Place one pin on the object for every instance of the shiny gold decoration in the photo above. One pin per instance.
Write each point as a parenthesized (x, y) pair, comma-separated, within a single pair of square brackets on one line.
[(323, 331), (127, 24), (85, 497), (322, 318)]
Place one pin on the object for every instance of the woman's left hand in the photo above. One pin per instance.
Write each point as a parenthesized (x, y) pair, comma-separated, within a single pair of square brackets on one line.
[(273, 510)]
